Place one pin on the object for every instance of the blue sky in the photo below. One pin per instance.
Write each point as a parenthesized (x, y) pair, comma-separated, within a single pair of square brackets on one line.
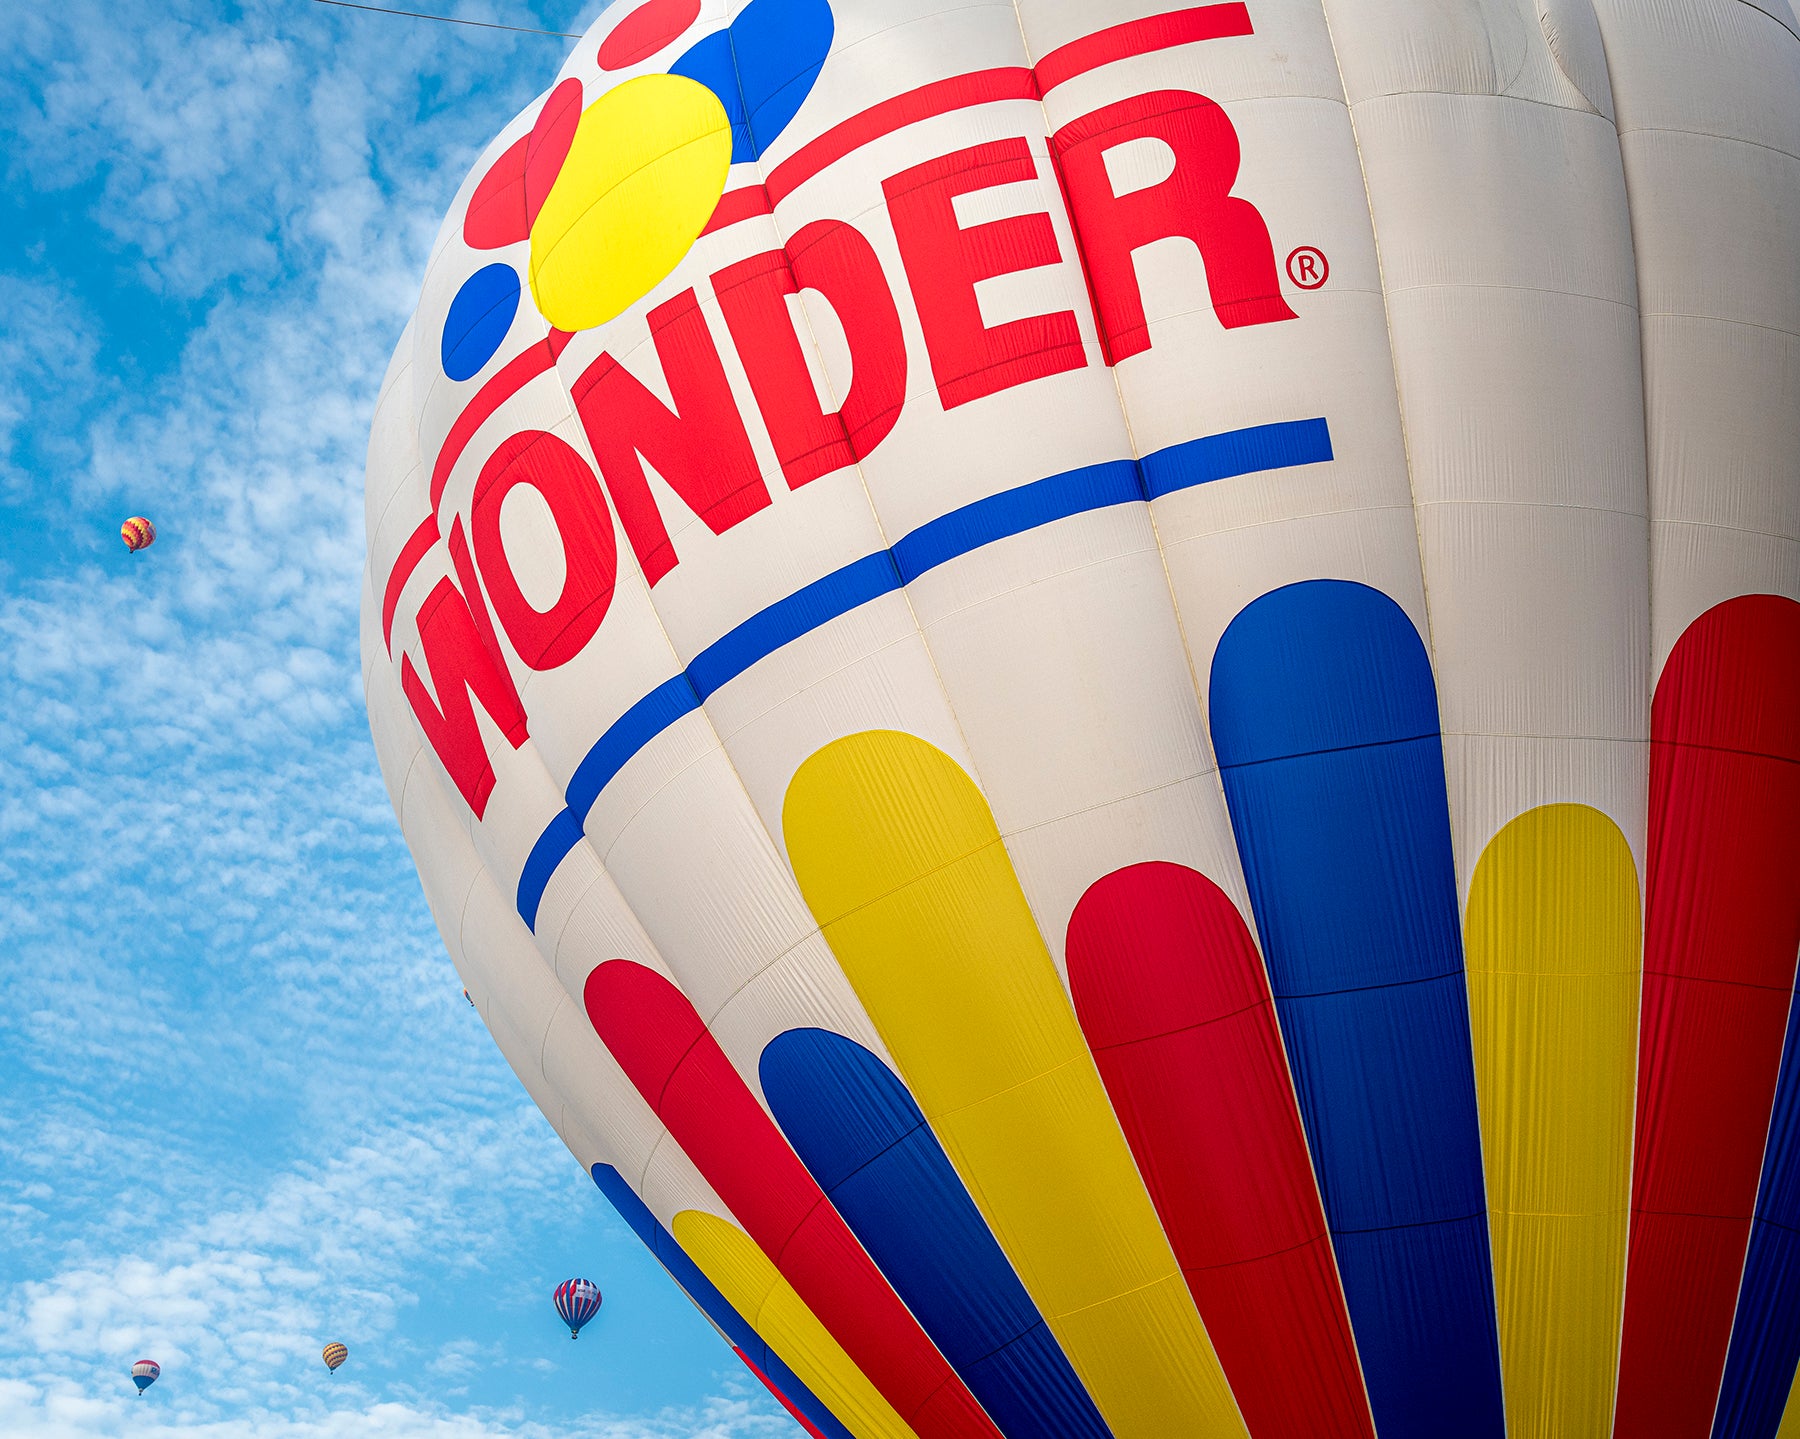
[(247, 1110)]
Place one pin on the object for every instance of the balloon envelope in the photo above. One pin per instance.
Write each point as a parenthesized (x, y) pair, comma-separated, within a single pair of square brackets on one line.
[(138, 533), (334, 1355), (1157, 649), (577, 1301), (144, 1373)]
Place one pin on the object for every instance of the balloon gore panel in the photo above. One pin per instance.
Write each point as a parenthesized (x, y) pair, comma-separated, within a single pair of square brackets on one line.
[(1324, 715)]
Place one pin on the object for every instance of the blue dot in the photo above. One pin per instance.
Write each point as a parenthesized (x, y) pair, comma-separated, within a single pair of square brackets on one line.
[(762, 68), (479, 318)]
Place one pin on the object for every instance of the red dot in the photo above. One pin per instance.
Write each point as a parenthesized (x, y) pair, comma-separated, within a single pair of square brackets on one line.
[(645, 31)]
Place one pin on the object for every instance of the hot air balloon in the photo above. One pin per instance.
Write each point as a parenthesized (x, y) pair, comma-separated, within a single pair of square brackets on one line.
[(1155, 647), (144, 1373), (138, 533), (335, 1354), (577, 1301)]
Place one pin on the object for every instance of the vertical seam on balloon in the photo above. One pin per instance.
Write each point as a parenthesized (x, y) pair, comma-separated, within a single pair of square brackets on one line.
[(1412, 497), (1637, 1053)]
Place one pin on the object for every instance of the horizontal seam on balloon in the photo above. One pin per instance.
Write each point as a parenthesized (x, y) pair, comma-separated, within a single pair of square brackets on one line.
[(1337, 1230), (1457, 973), (1479, 95), (1709, 135), (1174, 1274), (1623, 1212), (651, 798), (811, 1209), (538, 265), (1634, 973), (1534, 736), (1721, 320), (852, 1173), (1723, 749), (817, 680), (1331, 749), (1036, 825), (1056, 1068), (738, 990), (950, 1375), (1729, 529), (1039, 1323), (940, 616), (1201, 535), (1723, 983), (1180, 1028), (1322, 1237), (1629, 305), (1538, 505), (916, 879), (1692, 1214)]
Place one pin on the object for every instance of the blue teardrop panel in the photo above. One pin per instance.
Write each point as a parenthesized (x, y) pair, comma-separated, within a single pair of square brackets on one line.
[(857, 1129), (1765, 1337), (1324, 716)]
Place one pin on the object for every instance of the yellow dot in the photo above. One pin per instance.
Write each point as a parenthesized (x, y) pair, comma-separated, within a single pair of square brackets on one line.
[(646, 169)]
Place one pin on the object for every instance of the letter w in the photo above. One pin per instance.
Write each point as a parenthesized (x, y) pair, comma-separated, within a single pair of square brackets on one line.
[(459, 664)]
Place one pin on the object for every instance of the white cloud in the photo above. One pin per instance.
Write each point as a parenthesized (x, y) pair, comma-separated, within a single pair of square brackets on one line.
[(246, 1104)]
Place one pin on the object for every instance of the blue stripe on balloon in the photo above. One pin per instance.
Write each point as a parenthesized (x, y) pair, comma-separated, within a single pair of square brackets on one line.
[(1765, 1337), (628, 734), (1012, 512), (787, 620), (560, 836), (1236, 452), (857, 1129), (711, 1303), (1324, 716), (962, 531)]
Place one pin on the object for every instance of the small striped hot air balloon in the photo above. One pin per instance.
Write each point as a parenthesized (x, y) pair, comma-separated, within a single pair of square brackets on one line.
[(335, 1354), (138, 533), (577, 1301), (144, 1373)]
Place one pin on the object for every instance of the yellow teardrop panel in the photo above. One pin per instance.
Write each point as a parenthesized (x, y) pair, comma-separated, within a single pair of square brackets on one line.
[(751, 1285), (901, 863), (1555, 954)]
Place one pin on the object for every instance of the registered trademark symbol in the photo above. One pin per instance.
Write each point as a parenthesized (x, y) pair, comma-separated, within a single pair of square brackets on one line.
[(1307, 267)]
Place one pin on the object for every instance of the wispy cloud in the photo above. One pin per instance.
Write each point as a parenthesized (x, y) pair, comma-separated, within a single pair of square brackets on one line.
[(247, 1106)]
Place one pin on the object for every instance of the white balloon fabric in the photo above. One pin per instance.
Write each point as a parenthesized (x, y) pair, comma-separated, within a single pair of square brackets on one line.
[(1104, 698)]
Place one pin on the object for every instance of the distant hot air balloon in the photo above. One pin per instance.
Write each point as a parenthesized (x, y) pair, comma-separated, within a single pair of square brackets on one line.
[(138, 533), (577, 1300), (470, 998), (335, 1354), (143, 1374), (1107, 695)]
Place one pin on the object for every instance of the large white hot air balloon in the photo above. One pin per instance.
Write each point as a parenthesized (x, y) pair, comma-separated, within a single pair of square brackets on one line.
[(1156, 649)]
